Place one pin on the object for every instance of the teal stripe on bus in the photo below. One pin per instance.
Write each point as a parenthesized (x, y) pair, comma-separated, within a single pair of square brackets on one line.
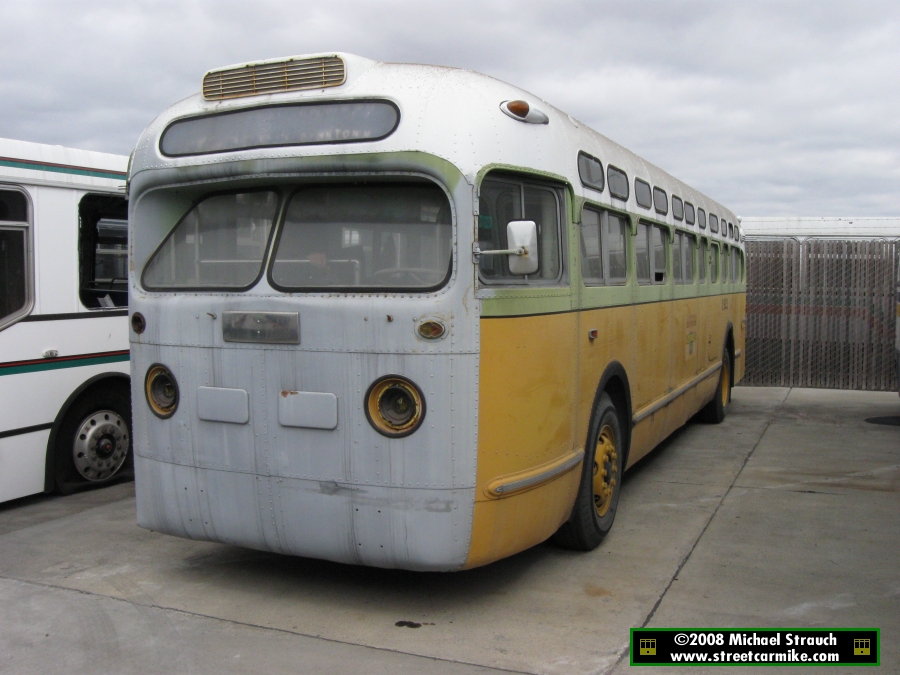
[(61, 168), (65, 362)]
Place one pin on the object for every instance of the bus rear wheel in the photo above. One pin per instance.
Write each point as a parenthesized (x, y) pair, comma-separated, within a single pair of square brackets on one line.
[(601, 480), (715, 411), (93, 445)]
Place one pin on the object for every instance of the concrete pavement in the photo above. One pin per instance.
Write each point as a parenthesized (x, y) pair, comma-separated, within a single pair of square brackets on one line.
[(786, 514)]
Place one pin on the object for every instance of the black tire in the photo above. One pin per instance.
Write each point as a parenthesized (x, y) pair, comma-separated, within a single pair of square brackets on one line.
[(601, 481), (716, 410), (93, 445)]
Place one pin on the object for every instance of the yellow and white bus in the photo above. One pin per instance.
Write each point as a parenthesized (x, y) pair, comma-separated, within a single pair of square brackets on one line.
[(410, 316)]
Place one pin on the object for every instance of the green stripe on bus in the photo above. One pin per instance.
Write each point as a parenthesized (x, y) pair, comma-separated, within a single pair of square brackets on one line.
[(56, 365), (36, 166)]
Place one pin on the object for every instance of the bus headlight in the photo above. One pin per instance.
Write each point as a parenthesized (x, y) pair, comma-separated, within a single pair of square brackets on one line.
[(394, 406), (161, 391)]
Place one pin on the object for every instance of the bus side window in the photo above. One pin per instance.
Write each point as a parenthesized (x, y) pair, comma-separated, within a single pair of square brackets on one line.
[(503, 201), (713, 263), (677, 257), (14, 281), (690, 244), (603, 236), (650, 250), (704, 260), (103, 251)]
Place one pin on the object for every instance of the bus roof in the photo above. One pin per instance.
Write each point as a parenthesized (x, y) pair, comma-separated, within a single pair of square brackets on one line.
[(447, 112), (26, 162)]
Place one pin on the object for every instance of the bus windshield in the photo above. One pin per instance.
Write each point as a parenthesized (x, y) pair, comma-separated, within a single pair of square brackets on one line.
[(390, 235)]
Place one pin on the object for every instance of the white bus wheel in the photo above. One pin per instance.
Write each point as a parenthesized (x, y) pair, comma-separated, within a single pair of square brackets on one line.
[(601, 482), (94, 441)]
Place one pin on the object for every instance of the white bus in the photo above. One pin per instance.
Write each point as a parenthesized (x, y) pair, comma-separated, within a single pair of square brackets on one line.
[(66, 413), (409, 316)]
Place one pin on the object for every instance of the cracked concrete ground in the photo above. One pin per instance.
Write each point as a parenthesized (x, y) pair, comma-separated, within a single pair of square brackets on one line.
[(786, 514)]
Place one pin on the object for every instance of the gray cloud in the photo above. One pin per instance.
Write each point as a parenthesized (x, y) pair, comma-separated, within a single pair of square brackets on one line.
[(769, 107)]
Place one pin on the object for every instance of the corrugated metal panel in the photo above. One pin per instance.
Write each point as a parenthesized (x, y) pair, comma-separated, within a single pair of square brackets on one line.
[(845, 227), (821, 313), (272, 77)]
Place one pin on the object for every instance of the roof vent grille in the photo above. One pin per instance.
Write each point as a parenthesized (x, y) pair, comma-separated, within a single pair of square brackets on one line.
[(273, 77)]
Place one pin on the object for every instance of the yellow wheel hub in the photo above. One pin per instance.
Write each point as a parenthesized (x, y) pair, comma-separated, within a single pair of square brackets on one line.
[(606, 471)]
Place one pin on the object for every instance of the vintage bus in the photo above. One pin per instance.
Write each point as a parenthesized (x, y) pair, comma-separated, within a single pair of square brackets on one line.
[(64, 383), (410, 316)]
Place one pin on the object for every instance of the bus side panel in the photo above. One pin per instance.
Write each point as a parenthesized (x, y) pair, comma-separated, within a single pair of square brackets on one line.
[(22, 463), (526, 400), (739, 321)]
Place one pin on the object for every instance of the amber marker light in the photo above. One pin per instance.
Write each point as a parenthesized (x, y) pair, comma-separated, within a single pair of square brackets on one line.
[(518, 108), (161, 391), (431, 330), (394, 406)]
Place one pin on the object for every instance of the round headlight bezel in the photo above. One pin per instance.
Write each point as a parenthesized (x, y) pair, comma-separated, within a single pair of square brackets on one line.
[(162, 401), (384, 405)]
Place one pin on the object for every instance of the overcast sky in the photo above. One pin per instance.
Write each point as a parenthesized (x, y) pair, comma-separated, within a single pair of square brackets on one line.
[(773, 108)]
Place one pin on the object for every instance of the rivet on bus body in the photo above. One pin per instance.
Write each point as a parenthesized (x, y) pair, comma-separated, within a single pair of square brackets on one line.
[(593, 334)]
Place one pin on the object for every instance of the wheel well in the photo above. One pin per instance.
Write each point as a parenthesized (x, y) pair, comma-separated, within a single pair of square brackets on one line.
[(104, 380), (615, 383)]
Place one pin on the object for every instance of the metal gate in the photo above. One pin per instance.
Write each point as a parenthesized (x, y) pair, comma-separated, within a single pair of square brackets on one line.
[(821, 313)]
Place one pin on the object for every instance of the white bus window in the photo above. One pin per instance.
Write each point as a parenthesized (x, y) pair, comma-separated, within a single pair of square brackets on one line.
[(502, 202), (103, 251), (616, 233), (688, 245), (713, 263), (701, 218), (376, 236), (650, 245), (642, 193), (14, 281), (618, 182), (603, 237), (642, 252), (704, 260), (735, 264), (689, 213), (590, 170), (659, 254), (713, 223), (13, 270), (220, 243), (660, 201), (677, 257), (591, 260), (677, 208)]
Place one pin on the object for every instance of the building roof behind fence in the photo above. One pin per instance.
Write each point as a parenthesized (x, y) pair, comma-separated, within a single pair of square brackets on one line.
[(845, 227)]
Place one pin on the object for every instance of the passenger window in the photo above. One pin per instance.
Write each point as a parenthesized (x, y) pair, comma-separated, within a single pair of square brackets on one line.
[(690, 244), (103, 251), (504, 201), (677, 257), (688, 213), (730, 231), (713, 263), (724, 263), (704, 260), (660, 201), (642, 193), (735, 262), (701, 218), (713, 223), (603, 257), (677, 208), (14, 281), (590, 170), (618, 182), (650, 249)]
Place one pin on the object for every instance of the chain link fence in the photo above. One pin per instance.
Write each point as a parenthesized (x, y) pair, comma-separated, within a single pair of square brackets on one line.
[(821, 313)]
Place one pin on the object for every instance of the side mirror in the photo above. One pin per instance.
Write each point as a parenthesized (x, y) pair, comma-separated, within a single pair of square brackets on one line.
[(522, 235)]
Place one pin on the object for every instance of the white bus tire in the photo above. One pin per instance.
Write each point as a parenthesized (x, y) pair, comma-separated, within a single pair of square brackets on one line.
[(93, 446), (601, 482)]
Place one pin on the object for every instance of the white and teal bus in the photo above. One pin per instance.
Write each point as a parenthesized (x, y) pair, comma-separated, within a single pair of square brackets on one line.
[(65, 418), (409, 316)]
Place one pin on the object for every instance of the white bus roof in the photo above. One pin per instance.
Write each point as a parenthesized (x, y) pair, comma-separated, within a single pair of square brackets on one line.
[(445, 112), (39, 163), (847, 227)]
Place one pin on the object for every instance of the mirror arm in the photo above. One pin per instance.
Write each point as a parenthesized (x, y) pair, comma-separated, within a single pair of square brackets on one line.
[(507, 251)]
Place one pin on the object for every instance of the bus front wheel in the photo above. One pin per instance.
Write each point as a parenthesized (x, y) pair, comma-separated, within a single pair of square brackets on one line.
[(601, 479), (93, 445)]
